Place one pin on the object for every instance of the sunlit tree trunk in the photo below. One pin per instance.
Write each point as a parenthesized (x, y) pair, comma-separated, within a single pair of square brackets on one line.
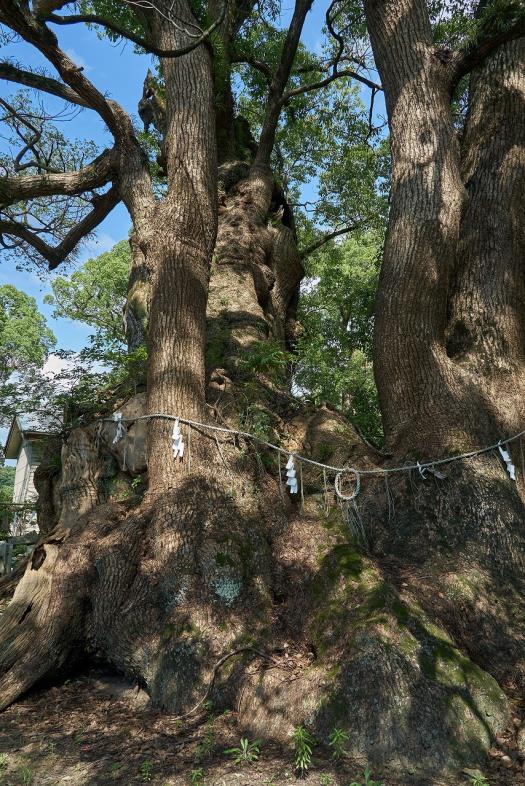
[(449, 331)]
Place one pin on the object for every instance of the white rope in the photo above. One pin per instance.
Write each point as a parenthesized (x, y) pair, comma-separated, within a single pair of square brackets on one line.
[(340, 471), (337, 485)]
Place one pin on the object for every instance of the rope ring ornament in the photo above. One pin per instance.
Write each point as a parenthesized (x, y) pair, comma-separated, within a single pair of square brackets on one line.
[(357, 487)]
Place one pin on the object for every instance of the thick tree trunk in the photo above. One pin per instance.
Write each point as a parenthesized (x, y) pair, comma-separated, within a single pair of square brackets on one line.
[(413, 372), (454, 247), (180, 246), (216, 561)]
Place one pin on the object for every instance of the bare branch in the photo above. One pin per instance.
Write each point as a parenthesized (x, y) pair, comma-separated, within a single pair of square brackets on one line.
[(338, 37), (326, 238), (40, 82), (142, 42), (32, 31), (96, 174), (102, 206), (297, 91)]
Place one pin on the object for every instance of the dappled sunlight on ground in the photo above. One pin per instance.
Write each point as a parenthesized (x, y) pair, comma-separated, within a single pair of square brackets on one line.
[(97, 730)]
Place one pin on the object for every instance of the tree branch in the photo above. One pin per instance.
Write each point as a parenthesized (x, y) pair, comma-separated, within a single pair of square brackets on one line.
[(34, 32), (325, 238), (95, 19), (96, 174), (240, 57), (466, 60), (278, 84), (40, 82), (102, 206), (297, 91)]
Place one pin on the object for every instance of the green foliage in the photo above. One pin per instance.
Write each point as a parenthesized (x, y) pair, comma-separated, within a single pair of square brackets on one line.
[(7, 482), (207, 744), (115, 769), (323, 139), (3, 761), (303, 745), (119, 13), (256, 421), (102, 373), (96, 294), (334, 351), (25, 339), (197, 777), (246, 752), (367, 780), (325, 779), (266, 357), (27, 776), (146, 770), (458, 23), (453, 21), (337, 741)]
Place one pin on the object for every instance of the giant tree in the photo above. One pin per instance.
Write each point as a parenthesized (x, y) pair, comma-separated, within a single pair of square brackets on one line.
[(207, 565), (213, 567), (449, 334)]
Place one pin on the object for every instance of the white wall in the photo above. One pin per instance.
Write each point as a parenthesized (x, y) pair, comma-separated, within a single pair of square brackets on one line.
[(27, 462)]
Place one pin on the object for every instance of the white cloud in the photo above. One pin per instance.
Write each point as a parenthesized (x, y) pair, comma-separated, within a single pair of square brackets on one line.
[(55, 365), (78, 60), (102, 242)]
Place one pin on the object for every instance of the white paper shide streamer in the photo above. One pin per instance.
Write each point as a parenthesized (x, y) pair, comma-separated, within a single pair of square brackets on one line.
[(119, 433), (177, 441), (505, 455), (291, 475)]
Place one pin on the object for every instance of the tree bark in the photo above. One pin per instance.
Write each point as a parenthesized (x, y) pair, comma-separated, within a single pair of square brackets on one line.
[(449, 333), (216, 564)]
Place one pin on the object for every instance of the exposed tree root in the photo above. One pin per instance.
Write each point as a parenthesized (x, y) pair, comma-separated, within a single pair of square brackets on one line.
[(179, 591)]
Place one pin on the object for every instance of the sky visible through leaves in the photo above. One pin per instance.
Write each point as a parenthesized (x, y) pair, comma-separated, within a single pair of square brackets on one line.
[(118, 71)]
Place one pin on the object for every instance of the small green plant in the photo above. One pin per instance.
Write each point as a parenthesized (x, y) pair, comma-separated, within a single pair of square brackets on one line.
[(367, 780), (27, 776), (325, 779), (197, 777), (266, 357), (78, 736), (303, 744), (3, 761), (115, 769), (146, 770), (337, 741), (248, 751), (478, 780), (207, 744)]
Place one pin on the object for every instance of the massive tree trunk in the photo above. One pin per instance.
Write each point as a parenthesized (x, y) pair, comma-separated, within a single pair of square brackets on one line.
[(213, 564), (449, 335)]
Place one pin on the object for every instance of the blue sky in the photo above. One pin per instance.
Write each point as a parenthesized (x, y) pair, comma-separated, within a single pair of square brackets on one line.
[(118, 71)]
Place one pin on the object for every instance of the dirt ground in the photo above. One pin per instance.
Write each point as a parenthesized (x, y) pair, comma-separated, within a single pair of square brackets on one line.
[(97, 730)]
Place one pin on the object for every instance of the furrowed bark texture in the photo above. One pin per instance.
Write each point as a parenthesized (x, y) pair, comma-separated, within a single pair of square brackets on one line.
[(412, 368), (449, 336), (179, 247), (215, 559)]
